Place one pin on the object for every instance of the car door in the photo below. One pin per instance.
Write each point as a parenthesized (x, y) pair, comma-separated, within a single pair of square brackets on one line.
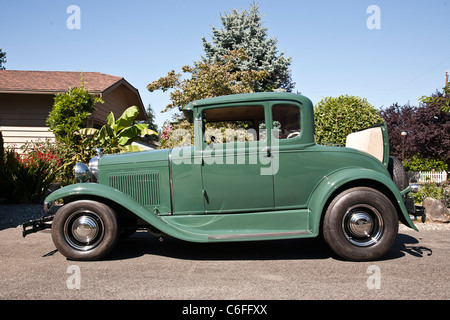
[(300, 168), (236, 164)]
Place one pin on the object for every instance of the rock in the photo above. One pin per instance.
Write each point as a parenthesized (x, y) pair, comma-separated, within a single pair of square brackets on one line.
[(435, 210)]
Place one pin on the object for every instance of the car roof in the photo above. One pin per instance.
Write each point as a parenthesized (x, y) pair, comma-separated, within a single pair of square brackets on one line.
[(246, 97)]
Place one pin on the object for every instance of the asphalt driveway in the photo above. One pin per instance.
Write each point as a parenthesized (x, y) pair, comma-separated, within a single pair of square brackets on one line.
[(141, 267)]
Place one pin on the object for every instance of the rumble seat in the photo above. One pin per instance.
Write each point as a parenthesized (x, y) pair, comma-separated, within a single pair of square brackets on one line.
[(368, 140)]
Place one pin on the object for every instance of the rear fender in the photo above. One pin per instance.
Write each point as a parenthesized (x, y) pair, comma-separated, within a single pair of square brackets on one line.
[(324, 192)]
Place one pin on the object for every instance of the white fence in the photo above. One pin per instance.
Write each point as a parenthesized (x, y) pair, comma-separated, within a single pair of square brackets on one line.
[(431, 176)]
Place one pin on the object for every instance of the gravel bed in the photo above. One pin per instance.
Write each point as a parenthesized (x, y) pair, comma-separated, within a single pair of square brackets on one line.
[(427, 226), (15, 215)]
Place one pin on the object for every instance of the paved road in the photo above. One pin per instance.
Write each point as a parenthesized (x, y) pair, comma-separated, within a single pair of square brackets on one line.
[(141, 267)]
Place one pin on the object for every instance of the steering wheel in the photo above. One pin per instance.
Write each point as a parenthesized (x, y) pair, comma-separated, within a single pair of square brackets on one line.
[(293, 135)]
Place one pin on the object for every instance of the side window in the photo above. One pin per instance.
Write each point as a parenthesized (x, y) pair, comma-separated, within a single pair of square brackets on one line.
[(286, 120), (240, 123)]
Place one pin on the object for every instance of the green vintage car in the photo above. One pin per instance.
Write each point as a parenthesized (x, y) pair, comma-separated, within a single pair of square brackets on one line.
[(254, 172)]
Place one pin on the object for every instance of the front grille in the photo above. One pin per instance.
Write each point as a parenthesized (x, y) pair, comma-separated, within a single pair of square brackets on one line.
[(142, 187)]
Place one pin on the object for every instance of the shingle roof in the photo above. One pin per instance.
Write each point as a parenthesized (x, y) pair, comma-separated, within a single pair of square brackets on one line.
[(54, 81)]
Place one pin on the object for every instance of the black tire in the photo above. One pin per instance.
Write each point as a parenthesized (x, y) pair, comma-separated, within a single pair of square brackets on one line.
[(360, 224), (85, 230), (398, 173)]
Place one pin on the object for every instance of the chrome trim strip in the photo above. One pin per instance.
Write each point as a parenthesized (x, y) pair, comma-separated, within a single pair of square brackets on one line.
[(257, 235), (172, 204)]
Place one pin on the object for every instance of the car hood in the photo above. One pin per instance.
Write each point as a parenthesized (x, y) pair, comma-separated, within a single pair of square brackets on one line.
[(135, 157)]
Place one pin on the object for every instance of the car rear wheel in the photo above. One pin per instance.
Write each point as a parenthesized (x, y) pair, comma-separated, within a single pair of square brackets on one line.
[(360, 224), (85, 230)]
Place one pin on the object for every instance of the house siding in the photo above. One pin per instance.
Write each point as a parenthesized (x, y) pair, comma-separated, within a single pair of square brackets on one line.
[(27, 110), (16, 137), (114, 101)]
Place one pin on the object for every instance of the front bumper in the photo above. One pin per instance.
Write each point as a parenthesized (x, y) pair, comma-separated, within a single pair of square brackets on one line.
[(42, 223), (37, 225)]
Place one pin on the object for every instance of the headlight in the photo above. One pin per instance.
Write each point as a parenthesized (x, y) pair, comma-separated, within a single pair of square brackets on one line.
[(93, 167), (82, 173)]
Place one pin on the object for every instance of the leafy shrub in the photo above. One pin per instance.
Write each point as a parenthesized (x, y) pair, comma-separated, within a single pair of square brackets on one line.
[(176, 134), (432, 190), (70, 112), (419, 163), (28, 175), (115, 136), (335, 118), (5, 183)]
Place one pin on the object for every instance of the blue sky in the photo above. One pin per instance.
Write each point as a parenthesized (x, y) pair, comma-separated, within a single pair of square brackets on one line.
[(333, 50)]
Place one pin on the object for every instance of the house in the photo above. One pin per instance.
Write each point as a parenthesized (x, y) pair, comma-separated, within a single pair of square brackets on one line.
[(26, 98)]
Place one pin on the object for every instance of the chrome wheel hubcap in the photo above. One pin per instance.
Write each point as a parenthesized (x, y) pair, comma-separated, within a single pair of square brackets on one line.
[(83, 230), (362, 225)]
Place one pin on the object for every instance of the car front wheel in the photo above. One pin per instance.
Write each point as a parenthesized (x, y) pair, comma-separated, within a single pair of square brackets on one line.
[(360, 224), (85, 230)]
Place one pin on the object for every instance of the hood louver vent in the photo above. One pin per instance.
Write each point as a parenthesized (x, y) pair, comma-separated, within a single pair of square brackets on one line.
[(142, 187)]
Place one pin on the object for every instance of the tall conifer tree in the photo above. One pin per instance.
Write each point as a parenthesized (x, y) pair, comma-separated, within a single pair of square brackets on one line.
[(2, 59), (245, 30)]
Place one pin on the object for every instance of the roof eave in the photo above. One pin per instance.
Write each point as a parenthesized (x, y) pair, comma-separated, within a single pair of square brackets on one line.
[(51, 92)]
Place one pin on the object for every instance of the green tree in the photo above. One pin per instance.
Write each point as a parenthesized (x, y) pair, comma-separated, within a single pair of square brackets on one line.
[(70, 112), (151, 118), (151, 122), (440, 100), (208, 80), (245, 30), (2, 59), (427, 127), (335, 118)]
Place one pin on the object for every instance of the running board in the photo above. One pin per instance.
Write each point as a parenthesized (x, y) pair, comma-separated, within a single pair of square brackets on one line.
[(289, 234), (218, 227)]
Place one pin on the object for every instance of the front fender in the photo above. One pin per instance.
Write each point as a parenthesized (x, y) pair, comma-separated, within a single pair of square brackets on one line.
[(327, 187), (99, 191)]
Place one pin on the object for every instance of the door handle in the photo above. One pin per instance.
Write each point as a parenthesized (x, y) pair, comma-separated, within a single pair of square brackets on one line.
[(267, 150)]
